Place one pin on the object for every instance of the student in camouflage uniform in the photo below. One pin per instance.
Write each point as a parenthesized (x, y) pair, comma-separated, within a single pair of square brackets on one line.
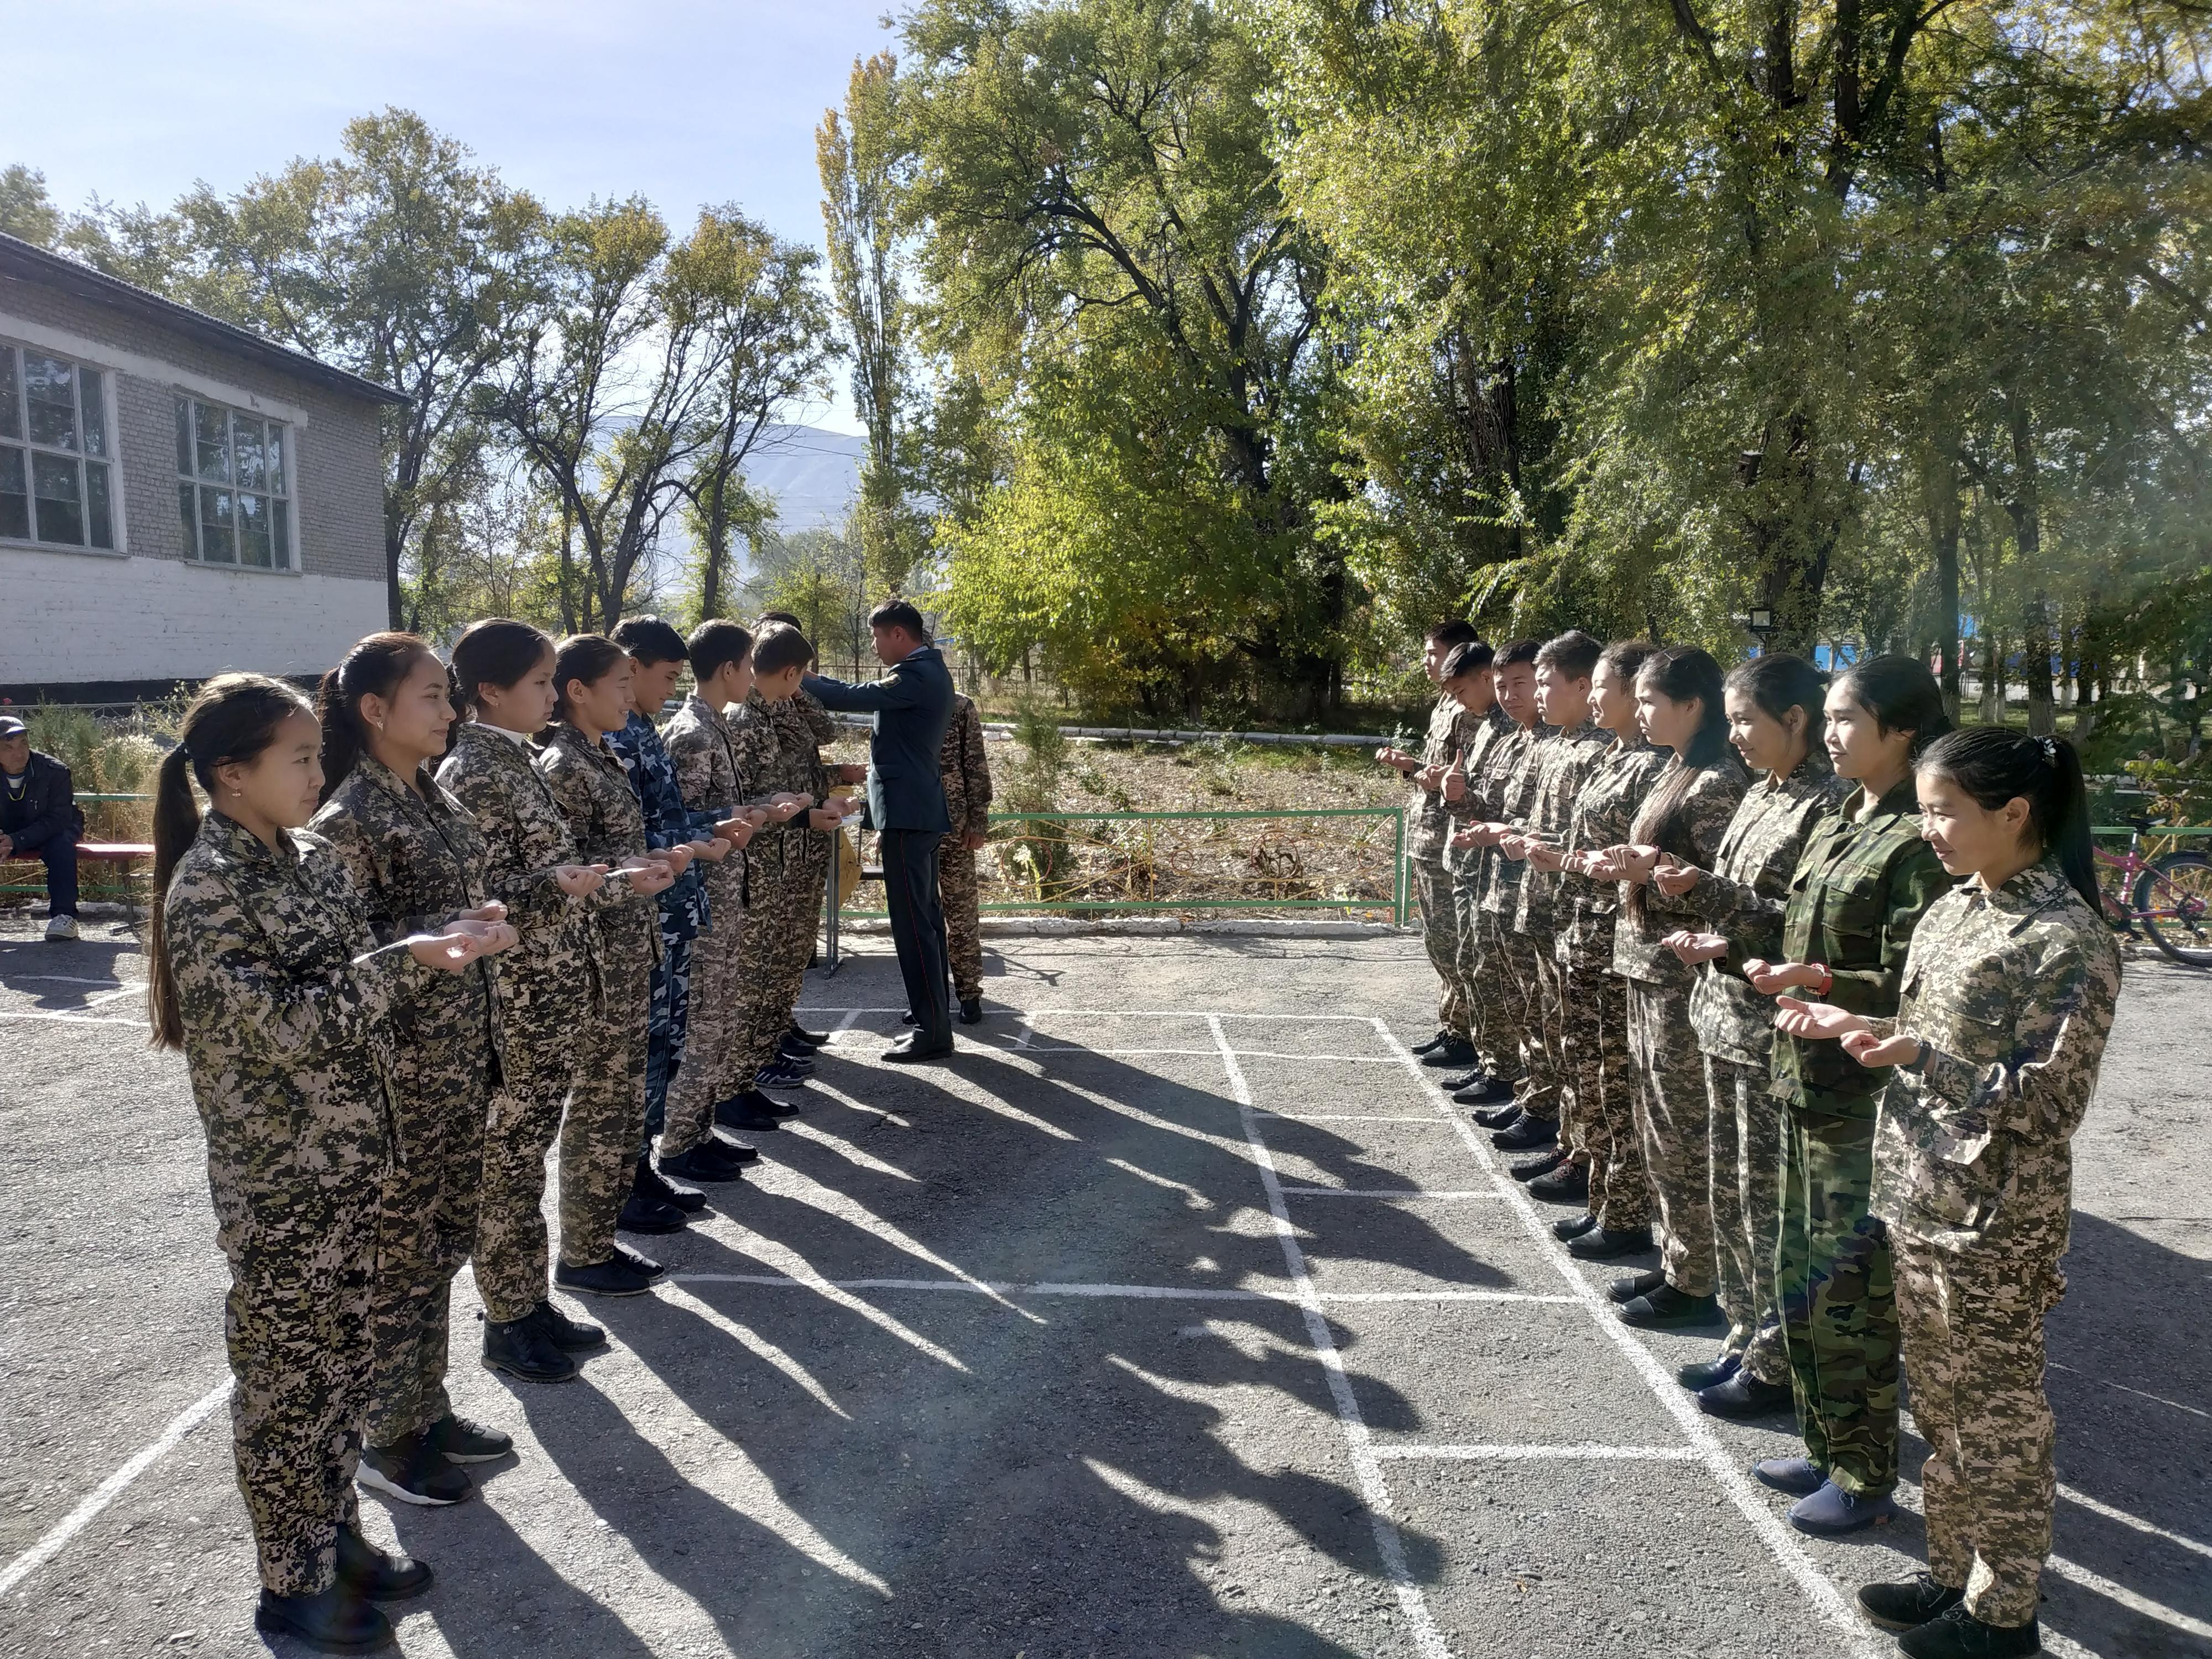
[(1428, 828), (1678, 700), (418, 861), (1492, 970), (1470, 679), (264, 971), (1861, 886), (966, 771), (1774, 720), (605, 1120), (1598, 1114), (2008, 996)]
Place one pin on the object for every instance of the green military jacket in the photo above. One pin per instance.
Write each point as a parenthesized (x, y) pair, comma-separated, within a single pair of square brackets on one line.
[(701, 748), (1860, 889), (1565, 761), (2013, 991), (594, 795), (785, 758), (1507, 791), (1694, 827), (1605, 808), (1741, 898), (1490, 749), (966, 771), (1428, 816)]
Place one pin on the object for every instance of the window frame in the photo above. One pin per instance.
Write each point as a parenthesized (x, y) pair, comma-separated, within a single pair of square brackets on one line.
[(110, 458), (186, 403)]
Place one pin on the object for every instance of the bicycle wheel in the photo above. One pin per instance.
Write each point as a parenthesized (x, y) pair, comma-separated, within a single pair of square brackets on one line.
[(2173, 902)]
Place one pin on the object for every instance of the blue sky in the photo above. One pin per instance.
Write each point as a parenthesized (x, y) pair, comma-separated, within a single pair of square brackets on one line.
[(683, 101)]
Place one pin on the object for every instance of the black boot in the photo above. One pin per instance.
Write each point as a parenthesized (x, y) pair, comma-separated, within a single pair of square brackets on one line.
[(1567, 1184), (1474, 1080), (642, 1214), (1705, 1373), (1452, 1054), (521, 1348), (335, 1620), (1610, 1244), (1435, 1042), (1957, 1634), (1500, 1114), (569, 1335), (655, 1183), (368, 1571), (1629, 1286), (1911, 1604), (1669, 1309), (1742, 1398), (971, 1011), (705, 1161), (1495, 1096), (1525, 1133), (414, 1472), (1527, 1168), (811, 1039), (613, 1277), (751, 1111), (1574, 1226)]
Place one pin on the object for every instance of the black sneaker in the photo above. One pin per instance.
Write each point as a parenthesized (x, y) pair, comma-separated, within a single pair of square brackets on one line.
[(1800, 1477), (377, 1574), (1957, 1634), (1474, 1080), (1574, 1226), (811, 1039), (1435, 1042), (650, 1215), (1669, 1309), (1705, 1373), (970, 1011), (1453, 1053), (413, 1472), (1567, 1184), (1911, 1604), (1610, 1244), (1742, 1398), (738, 1151), (335, 1621), (751, 1111), (521, 1348), (463, 1441), (790, 1048), (1527, 1168), (780, 1074), (567, 1334), (702, 1163), (651, 1183), (1503, 1112), (1525, 1133), (1628, 1287), (652, 1270), (613, 1277)]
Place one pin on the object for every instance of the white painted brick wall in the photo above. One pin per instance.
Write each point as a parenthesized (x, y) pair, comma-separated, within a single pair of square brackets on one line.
[(73, 616)]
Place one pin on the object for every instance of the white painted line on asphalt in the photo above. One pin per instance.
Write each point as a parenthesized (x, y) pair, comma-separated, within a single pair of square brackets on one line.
[(1510, 1454), (75, 1019), (1384, 1192), (111, 1488), (1373, 1488), (2141, 1525), (2156, 1399), (1136, 1293), (1725, 1467), (1033, 1014), (73, 979), (2075, 1573), (1350, 1117), (1335, 1060)]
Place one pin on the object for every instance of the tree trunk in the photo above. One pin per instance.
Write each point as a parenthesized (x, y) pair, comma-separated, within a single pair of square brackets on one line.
[(1993, 677), (1943, 542)]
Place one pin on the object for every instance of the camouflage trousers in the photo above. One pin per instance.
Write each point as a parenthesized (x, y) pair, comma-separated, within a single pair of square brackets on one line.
[(772, 964), (1746, 1171), (1597, 1117), (1508, 986), (670, 1022), (1973, 1322), (1838, 1304), (511, 1251), (426, 1227), (1543, 1041), (1670, 1123), (604, 1124), (297, 1327), (958, 896), (702, 1081), (1440, 933)]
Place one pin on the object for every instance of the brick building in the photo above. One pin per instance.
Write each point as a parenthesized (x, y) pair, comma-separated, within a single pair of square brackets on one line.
[(178, 495)]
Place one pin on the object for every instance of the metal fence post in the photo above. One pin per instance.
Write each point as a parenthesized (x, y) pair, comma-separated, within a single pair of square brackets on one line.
[(1402, 892), (829, 906)]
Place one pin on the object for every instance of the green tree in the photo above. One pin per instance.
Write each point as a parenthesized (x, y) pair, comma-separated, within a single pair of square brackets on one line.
[(25, 208)]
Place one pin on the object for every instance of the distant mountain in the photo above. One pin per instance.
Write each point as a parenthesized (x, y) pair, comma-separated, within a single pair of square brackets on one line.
[(813, 474)]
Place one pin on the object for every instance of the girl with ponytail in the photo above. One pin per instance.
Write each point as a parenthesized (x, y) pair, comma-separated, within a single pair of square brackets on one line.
[(417, 858), (1991, 1059), (264, 970)]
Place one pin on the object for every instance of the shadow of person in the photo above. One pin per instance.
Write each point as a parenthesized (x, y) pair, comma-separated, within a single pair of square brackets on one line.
[(62, 978)]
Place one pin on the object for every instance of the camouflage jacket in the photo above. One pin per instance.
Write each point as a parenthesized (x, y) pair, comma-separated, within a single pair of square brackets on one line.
[(966, 771), (761, 738), (548, 984), (593, 793), (417, 861), (1564, 761), (1691, 832), (708, 771), (802, 725), (2013, 991), (1741, 896), (1859, 891), (1491, 767), (1428, 817), (286, 998), (684, 904), (1604, 810)]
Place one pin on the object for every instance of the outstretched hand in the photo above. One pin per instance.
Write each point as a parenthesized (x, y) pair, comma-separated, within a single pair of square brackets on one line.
[(1871, 1051), (1816, 1021)]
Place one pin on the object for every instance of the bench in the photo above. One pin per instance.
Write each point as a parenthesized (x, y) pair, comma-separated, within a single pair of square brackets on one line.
[(120, 857)]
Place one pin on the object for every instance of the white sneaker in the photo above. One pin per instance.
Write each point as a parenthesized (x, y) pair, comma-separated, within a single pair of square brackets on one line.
[(61, 927)]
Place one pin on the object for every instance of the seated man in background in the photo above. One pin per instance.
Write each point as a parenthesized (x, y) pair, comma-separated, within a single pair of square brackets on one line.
[(38, 819)]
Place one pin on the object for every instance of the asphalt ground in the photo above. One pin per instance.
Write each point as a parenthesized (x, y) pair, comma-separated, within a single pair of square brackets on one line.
[(1179, 1316)]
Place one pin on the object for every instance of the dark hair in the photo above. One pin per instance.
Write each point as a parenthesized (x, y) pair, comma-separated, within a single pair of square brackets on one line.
[(233, 718), (373, 668), (1901, 695), (497, 652), (1994, 765), (1519, 651), (587, 657), (780, 646), (713, 646), (1680, 673), (783, 617), (897, 613), (1777, 682), (650, 640), (1574, 654), (1626, 658), (1468, 657), (1457, 631)]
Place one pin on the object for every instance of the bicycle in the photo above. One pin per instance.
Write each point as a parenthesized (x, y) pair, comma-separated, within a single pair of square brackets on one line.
[(2169, 897)]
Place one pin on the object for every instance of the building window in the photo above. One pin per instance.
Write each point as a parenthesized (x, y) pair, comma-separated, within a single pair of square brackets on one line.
[(234, 486), (56, 471)]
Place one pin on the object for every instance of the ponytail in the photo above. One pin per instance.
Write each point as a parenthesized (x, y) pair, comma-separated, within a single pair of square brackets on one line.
[(373, 668), (497, 651), (1993, 765), (233, 718)]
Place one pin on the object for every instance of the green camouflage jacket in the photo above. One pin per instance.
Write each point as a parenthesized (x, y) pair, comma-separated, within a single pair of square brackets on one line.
[(1741, 898), (776, 765), (1500, 793), (1691, 833), (1604, 810), (709, 768), (1428, 819), (966, 770), (548, 984), (417, 861), (589, 786), (2013, 991), (286, 998), (1860, 889), (1485, 743), (1564, 762)]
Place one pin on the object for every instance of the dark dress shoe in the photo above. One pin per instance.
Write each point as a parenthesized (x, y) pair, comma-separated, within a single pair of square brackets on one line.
[(971, 1011), (649, 1183), (644, 1266), (567, 1334), (1629, 1286), (1499, 1115), (917, 1050), (1435, 1042), (1573, 1226), (376, 1574), (1527, 1168), (738, 1151), (335, 1621), (1957, 1634), (613, 1277), (1474, 1080), (1492, 1093), (1567, 1184), (702, 1163), (650, 1215), (1800, 1477), (1705, 1373), (1525, 1133), (1453, 1053), (1742, 1398), (811, 1039), (751, 1111), (1610, 1244), (1911, 1604), (906, 1017), (1668, 1309)]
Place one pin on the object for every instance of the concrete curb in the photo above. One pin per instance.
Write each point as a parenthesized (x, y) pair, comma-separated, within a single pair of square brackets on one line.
[(1155, 927)]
